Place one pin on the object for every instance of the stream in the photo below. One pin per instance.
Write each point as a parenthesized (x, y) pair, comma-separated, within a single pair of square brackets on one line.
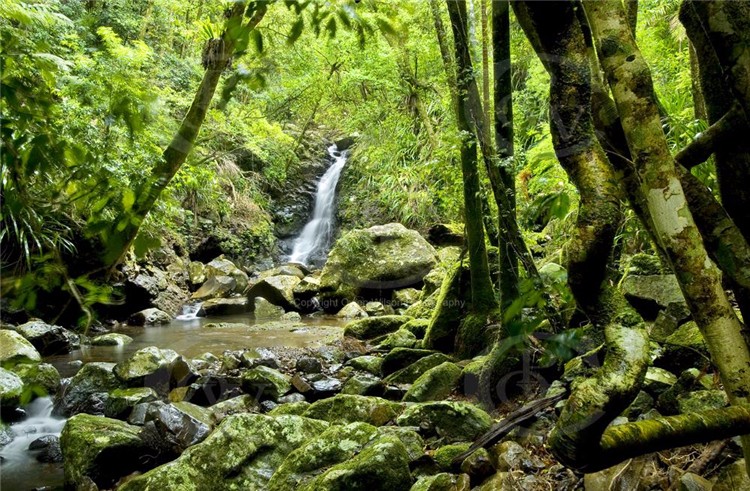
[(188, 335)]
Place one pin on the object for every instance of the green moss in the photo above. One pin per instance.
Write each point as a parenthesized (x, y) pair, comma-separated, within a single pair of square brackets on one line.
[(450, 307), (444, 455), (418, 327), (121, 401), (367, 363), (435, 384), (294, 408), (373, 327), (401, 338), (14, 348), (265, 383), (451, 420), (41, 377), (345, 408)]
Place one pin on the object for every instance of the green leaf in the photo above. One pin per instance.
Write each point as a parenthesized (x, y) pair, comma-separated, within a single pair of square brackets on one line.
[(128, 199)]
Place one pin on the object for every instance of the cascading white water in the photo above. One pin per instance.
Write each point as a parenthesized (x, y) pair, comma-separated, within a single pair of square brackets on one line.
[(189, 312), (316, 235)]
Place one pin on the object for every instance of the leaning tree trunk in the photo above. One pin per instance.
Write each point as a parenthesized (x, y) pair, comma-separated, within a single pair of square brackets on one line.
[(700, 280), (217, 55)]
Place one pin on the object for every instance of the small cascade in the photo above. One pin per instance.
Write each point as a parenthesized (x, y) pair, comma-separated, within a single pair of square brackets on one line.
[(189, 312), (317, 234), (39, 422)]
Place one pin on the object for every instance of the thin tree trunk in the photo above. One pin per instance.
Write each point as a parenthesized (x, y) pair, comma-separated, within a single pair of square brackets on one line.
[(445, 54), (486, 70)]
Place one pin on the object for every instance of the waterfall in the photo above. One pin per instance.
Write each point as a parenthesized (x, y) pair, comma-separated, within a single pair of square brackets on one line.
[(38, 422), (317, 233), (189, 312)]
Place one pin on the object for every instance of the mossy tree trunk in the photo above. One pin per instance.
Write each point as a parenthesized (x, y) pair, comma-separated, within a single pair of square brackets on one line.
[(217, 55)]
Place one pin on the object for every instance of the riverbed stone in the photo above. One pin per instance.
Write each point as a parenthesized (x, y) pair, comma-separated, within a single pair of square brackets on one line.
[(304, 293), (224, 306), (121, 402), (236, 405), (442, 482), (215, 287), (99, 448), (279, 290), (453, 421), (352, 310), (650, 294), (88, 390), (149, 317), (39, 377), (222, 266), (265, 383), (14, 348), (111, 339), (376, 260), (160, 369), (265, 310), (400, 358), (11, 389), (373, 327), (242, 453), (48, 339), (435, 384), (685, 348), (182, 424), (701, 400), (364, 384), (345, 408), (48, 448), (367, 363)]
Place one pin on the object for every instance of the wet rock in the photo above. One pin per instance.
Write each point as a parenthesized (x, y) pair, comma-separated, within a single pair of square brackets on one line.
[(224, 267), (324, 387), (304, 293), (121, 402), (291, 317), (224, 306), (653, 293), (478, 466), (402, 338), (376, 308), (88, 390), (658, 380), (196, 273), (111, 339), (39, 377), (418, 327), (149, 317), (182, 424), (207, 390), (442, 482), (683, 349), (435, 384), (279, 290), (401, 358), (344, 408), (11, 390), (308, 364), (364, 384), (375, 326), (375, 261), (265, 310), (215, 287), (48, 339), (352, 310), (242, 453), (49, 449), (452, 421), (405, 297), (171, 300), (160, 369), (366, 363), (100, 449), (235, 405), (14, 348), (265, 383), (292, 398), (701, 400)]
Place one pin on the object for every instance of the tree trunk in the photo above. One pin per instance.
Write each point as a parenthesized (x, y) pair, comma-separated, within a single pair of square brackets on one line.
[(485, 69), (445, 54), (217, 55)]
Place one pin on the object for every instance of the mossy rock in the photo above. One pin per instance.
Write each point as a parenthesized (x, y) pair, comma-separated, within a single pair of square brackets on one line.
[(643, 264), (445, 455), (100, 449), (377, 260), (683, 349), (335, 445), (241, 454), (88, 390), (410, 363), (235, 405), (11, 389), (363, 384), (345, 408), (435, 384), (654, 293), (150, 367), (658, 380), (40, 377), (418, 327), (265, 383), (111, 339), (294, 408), (701, 400), (451, 420), (373, 327), (367, 363), (279, 290), (121, 401), (442, 482), (415, 446), (383, 465), (402, 338), (14, 348)]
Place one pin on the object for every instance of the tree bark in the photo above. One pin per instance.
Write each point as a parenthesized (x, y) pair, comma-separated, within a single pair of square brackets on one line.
[(445, 53)]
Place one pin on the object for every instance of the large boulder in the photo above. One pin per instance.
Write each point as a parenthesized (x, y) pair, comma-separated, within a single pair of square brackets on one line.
[(180, 424), (279, 290), (215, 287), (224, 306), (449, 420), (88, 390), (14, 348), (651, 294), (222, 266), (374, 262), (121, 402), (149, 317), (99, 449), (160, 369), (345, 408), (11, 389), (48, 339), (263, 382), (685, 348), (39, 377), (305, 292), (372, 327), (242, 453), (435, 384)]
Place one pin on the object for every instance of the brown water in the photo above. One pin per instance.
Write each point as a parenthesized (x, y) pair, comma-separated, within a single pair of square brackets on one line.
[(191, 338)]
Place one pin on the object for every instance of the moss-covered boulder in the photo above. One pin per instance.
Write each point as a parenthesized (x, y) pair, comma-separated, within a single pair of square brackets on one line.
[(335, 445), (345, 408), (294, 408), (373, 327), (48, 339), (374, 261), (435, 384), (701, 400), (445, 455), (40, 378), (88, 390), (279, 290), (236, 405), (156, 368), (224, 306), (401, 338), (14, 348), (121, 402), (150, 317), (181, 423), (685, 348), (365, 384), (442, 482), (733, 477), (265, 383), (111, 339), (215, 287), (382, 465), (222, 266), (651, 294), (100, 449), (418, 327), (366, 363), (401, 358), (405, 297), (241, 454), (658, 380), (451, 420), (11, 389), (352, 310)]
